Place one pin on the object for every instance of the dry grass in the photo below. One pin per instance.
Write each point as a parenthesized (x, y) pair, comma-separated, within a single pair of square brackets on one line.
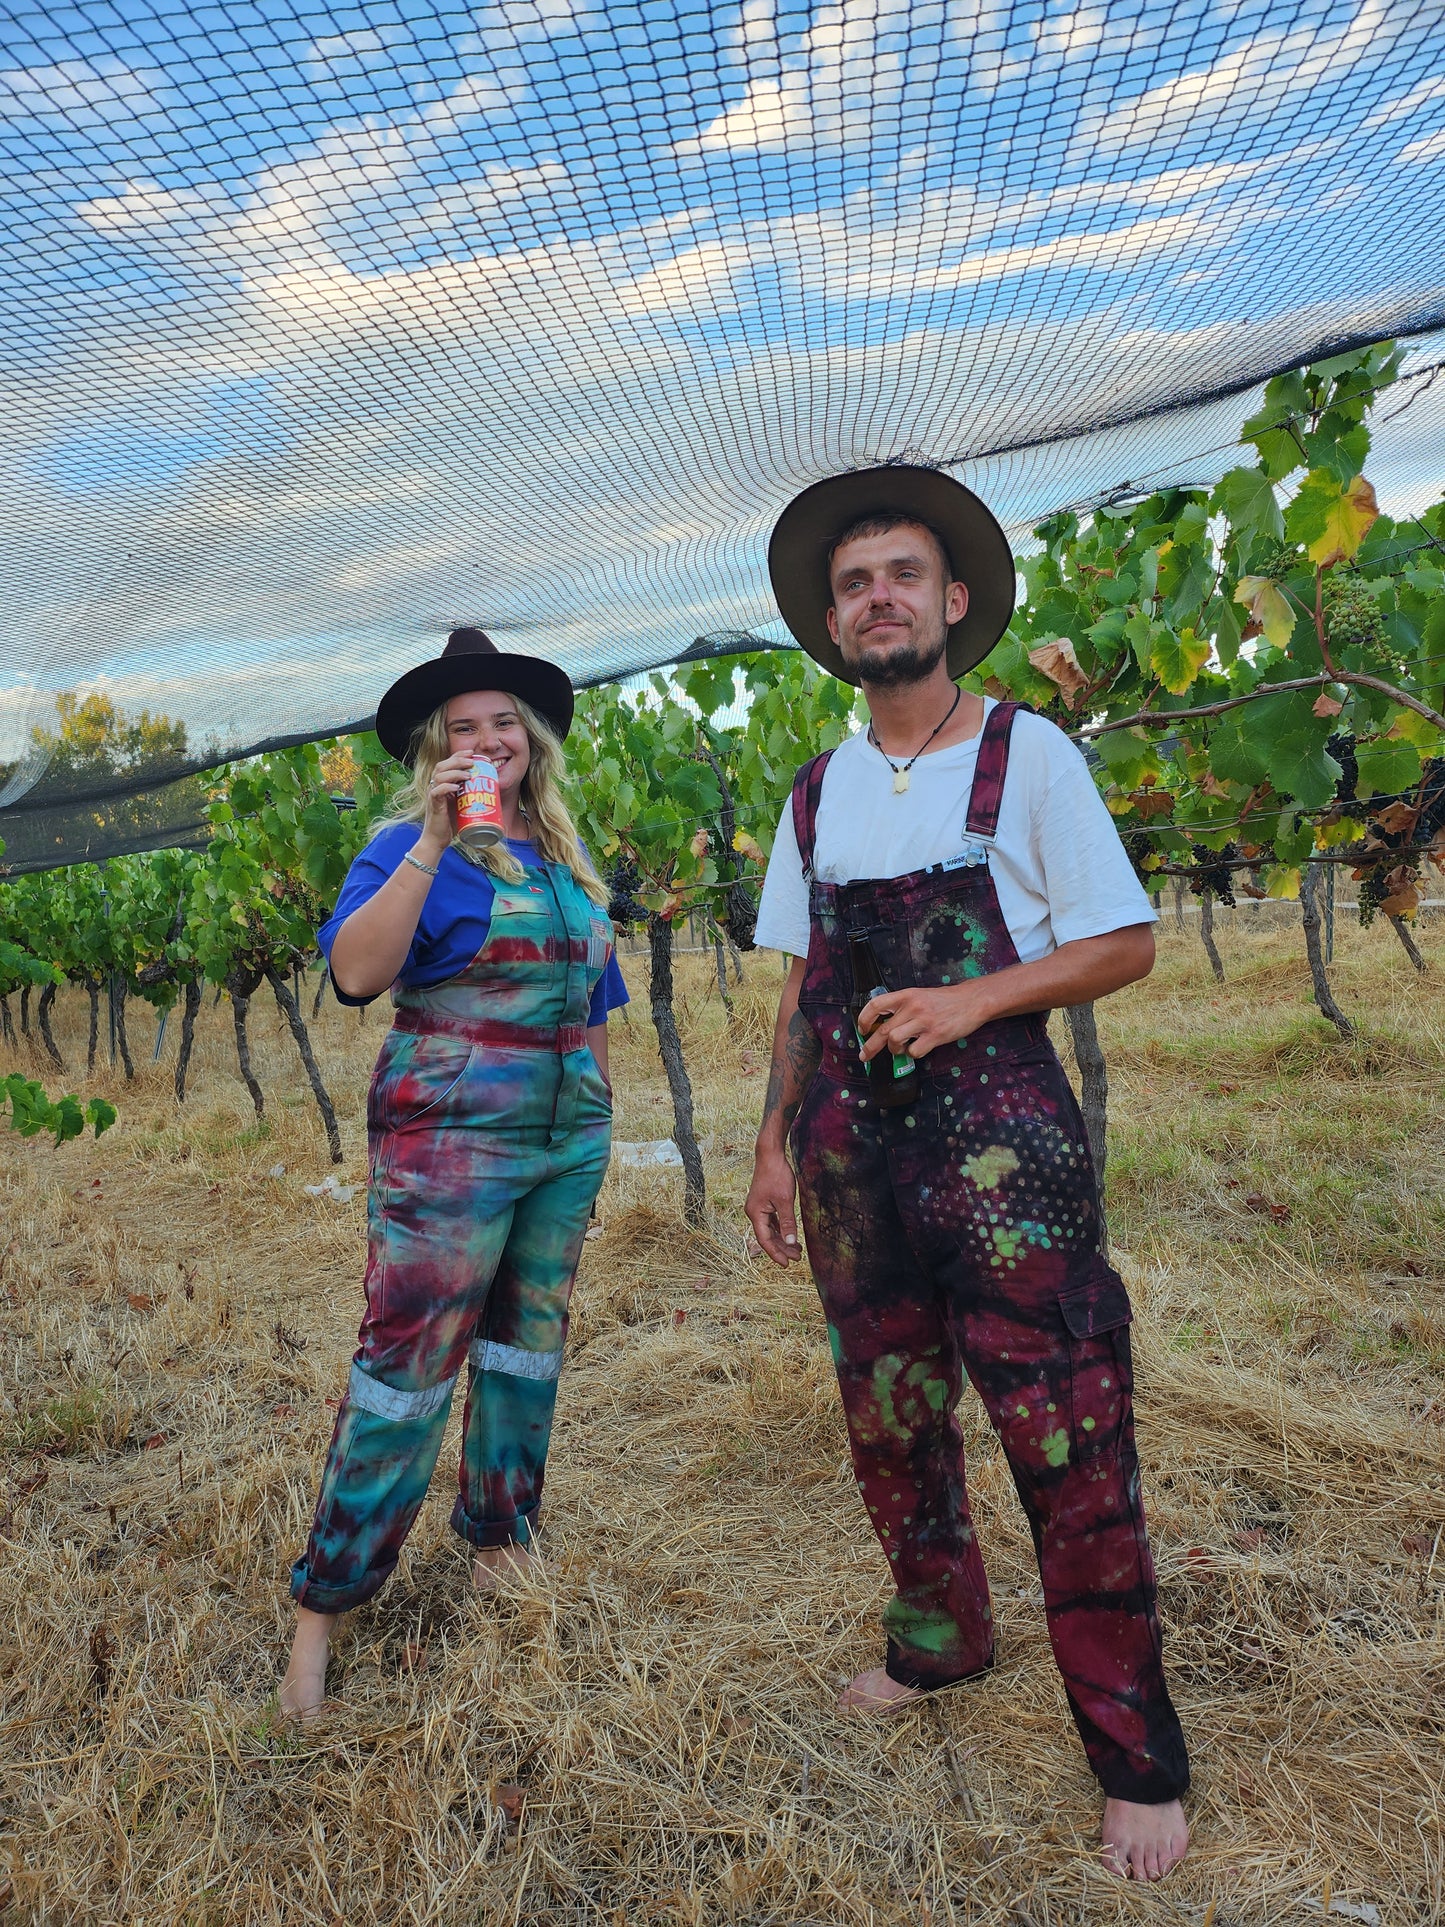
[(173, 1321)]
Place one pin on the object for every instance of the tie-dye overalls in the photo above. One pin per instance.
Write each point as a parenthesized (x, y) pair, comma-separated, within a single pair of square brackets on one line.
[(490, 1126), (961, 1233)]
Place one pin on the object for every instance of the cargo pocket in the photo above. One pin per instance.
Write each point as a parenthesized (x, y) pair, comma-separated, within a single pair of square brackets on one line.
[(1097, 1316)]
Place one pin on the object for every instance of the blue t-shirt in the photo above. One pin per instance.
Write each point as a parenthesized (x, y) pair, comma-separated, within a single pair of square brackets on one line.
[(454, 920)]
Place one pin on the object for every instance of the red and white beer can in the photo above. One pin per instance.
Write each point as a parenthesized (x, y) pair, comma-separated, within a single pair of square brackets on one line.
[(479, 807)]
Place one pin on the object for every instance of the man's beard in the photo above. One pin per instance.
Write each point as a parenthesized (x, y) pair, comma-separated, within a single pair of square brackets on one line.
[(895, 668)]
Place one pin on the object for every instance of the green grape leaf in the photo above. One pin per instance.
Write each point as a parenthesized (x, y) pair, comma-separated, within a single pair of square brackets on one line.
[(1246, 498), (1274, 429), (1387, 768)]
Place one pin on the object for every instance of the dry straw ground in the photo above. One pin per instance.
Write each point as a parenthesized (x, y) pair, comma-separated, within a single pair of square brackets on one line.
[(644, 1731)]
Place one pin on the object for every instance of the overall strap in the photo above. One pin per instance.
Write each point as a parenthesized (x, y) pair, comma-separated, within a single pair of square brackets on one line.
[(990, 770), (807, 791)]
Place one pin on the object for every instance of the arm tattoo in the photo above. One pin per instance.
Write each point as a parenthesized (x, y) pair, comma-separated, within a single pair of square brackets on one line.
[(795, 1058)]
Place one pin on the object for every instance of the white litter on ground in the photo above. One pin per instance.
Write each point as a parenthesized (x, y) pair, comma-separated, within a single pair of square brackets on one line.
[(657, 1152), (329, 1188)]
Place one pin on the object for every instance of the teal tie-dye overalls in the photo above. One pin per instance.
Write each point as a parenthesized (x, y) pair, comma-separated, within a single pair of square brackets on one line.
[(490, 1127)]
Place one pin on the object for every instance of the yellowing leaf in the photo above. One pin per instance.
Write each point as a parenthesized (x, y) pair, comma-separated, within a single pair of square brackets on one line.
[(1282, 880), (1177, 659), (1331, 521), (1057, 661), (1411, 727), (1269, 611), (749, 847), (699, 844)]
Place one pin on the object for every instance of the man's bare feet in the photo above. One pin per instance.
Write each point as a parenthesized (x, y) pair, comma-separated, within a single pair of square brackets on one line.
[(494, 1566), (877, 1692), (1144, 1842), (303, 1691)]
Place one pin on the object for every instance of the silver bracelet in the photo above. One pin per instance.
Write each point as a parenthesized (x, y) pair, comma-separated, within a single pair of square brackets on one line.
[(417, 864)]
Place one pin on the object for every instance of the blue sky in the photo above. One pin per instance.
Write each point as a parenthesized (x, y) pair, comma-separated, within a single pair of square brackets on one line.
[(322, 329)]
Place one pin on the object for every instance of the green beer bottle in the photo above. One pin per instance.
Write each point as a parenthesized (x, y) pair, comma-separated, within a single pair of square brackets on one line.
[(893, 1081)]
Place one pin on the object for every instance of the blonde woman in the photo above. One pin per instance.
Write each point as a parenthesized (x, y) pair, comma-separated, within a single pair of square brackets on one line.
[(490, 1118)]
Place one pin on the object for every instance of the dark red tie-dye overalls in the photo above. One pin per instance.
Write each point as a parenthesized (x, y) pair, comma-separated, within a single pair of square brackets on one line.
[(962, 1234)]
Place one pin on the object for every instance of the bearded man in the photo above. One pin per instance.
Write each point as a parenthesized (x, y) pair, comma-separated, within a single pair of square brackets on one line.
[(942, 880)]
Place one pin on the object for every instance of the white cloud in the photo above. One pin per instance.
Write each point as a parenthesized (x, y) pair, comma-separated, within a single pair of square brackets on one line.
[(344, 56), (1424, 149), (1406, 106), (77, 91), (1072, 34), (856, 62), (1249, 84)]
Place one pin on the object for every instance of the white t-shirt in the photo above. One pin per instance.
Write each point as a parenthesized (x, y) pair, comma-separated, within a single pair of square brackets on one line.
[(1057, 863)]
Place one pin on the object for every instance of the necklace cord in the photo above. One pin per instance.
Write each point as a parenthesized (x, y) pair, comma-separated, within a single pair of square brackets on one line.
[(902, 769)]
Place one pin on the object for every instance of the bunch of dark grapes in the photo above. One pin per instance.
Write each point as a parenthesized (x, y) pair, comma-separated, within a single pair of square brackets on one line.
[(1432, 794), (1214, 877), (740, 915), (1342, 747), (1427, 826), (1372, 892), (623, 906), (1138, 845)]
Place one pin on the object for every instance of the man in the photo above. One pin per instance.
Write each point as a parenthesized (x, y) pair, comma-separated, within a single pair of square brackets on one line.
[(957, 854)]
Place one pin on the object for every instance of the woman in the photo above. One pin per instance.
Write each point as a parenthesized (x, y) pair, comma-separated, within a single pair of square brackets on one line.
[(490, 1120)]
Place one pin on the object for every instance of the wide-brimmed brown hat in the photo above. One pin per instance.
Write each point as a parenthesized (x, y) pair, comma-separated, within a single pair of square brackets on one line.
[(471, 660), (978, 552)]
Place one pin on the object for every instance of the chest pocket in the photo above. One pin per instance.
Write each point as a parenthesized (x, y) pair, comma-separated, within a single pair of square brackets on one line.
[(599, 938)]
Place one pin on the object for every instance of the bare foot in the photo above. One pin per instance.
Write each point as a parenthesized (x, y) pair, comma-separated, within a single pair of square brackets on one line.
[(877, 1692), (496, 1566), (1144, 1842), (303, 1691)]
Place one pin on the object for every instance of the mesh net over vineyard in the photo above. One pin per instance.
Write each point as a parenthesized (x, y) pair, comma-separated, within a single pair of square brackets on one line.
[(325, 330)]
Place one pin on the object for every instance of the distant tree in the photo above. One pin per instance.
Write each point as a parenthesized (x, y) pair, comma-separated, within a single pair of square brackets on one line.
[(93, 738), (339, 768)]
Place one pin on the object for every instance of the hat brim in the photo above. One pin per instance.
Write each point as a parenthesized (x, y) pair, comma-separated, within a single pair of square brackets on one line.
[(977, 547), (413, 697)]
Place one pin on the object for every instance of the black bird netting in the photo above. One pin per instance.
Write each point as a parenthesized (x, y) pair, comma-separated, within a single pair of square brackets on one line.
[(325, 329)]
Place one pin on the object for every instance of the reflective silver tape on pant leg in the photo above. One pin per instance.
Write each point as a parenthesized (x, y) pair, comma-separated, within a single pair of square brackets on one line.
[(385, 1401), (487, 1356)]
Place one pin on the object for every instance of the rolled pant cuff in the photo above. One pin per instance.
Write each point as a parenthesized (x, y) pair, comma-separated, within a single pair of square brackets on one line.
[(317, 1597), (518, 1531), (1151, 1786), (925, 1674)]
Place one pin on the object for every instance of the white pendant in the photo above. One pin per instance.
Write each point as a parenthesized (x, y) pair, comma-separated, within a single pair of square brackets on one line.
[(900, 781)]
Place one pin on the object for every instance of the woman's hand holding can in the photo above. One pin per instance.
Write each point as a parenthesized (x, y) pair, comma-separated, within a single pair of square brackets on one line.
[(449, 778)]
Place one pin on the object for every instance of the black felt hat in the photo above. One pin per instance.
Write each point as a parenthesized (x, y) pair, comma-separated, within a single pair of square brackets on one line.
[(978, 552), (471, 660)]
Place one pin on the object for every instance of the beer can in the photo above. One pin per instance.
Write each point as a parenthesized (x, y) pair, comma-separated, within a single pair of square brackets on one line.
[(479, 807)]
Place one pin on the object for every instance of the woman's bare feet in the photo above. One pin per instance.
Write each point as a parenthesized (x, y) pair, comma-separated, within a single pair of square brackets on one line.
[(1144, 1842), (303, 1691), (877, 1692), (494, 1566)]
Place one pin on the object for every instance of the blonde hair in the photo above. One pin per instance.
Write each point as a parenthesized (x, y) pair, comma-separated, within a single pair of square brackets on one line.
[(554, 834)]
